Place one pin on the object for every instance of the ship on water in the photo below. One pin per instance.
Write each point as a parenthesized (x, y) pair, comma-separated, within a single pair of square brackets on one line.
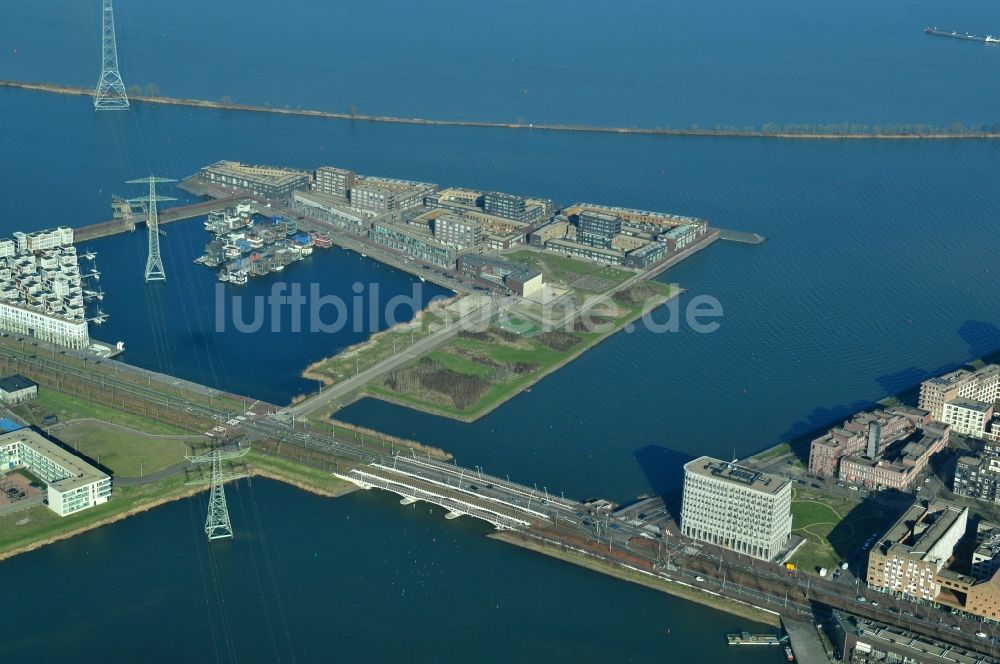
[(988, 39)]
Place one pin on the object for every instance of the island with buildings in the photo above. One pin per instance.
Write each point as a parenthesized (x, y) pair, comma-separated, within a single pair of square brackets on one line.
[(532, 270)]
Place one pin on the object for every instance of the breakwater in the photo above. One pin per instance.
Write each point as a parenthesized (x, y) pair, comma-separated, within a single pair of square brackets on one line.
[(839, 132)]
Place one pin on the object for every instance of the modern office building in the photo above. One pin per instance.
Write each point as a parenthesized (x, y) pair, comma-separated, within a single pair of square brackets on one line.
[(907, 559), (968, 416), (980, 385), (15, 389), (334, 181), (597, 229), (736, 508), (72, 483)]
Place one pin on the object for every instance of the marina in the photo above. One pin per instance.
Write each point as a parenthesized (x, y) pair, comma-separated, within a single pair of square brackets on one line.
[(247, 244)]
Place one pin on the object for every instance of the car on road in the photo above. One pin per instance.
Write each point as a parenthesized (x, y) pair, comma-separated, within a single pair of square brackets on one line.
[(981, 635), (874, 603), (699, 578), (957, 627), (473, 487), (861, 598)]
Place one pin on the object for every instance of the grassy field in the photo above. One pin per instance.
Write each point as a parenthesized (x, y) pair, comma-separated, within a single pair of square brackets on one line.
[(297, 474), (376, 349), (772, 453), (563, 269), (833, 527), (66, 407), (472, 374), (123, 451)]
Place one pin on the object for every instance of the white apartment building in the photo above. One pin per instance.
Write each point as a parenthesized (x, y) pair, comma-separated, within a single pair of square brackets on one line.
[(967, 416), (73, 484), (736, 508)]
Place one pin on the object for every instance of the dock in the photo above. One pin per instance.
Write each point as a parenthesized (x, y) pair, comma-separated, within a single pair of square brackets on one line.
[(166, 216), (804, 641), (742, 237)]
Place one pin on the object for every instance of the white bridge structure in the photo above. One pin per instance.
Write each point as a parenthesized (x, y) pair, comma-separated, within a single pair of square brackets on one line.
[(463, 492)]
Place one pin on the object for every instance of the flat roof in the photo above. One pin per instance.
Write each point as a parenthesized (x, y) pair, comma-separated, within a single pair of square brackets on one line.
[(920, 647), (906, 536), (969, 404), (733, 473), (16, 383), (80, 472)]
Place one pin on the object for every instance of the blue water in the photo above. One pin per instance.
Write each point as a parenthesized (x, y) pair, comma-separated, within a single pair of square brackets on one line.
[(880, 269), (651, 63), (358, 578)]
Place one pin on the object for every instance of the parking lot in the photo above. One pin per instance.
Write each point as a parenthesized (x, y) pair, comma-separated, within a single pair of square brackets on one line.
[(16, 489)]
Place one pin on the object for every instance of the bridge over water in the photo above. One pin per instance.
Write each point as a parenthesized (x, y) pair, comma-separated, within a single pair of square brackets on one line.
[(462, 491)]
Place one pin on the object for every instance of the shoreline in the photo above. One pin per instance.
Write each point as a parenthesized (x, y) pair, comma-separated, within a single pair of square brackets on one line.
[(681, 591), (467, 419), (187, 492), (55, 88)]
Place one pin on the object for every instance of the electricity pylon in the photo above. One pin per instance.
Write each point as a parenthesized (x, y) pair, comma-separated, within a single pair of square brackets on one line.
[(154, 264), (217, 524), (110, 94)]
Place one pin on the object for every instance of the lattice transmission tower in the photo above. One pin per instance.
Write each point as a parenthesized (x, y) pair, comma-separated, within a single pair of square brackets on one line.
[(154, 263), (110, 94), (217, 525)]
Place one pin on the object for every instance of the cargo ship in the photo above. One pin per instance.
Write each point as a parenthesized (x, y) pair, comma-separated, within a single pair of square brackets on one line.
[(988, 39), (748, 639)]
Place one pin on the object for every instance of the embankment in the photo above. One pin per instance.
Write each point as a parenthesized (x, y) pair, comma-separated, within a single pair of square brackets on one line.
[(642, 577), (929, 134)]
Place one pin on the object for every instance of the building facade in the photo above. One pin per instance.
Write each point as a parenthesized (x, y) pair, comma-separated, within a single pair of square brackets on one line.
[(413, 242), (980, 385), (907, 559), (895, 423), (334, 181), (597, 229), (15, 389), (967, 416), (267, 181), (736, 508), (457, 231)]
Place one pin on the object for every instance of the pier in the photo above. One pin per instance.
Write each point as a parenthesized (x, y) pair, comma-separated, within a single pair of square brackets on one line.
[(116, 226)]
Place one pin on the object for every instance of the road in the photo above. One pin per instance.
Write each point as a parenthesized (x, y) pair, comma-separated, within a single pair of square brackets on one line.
[(472, 321)]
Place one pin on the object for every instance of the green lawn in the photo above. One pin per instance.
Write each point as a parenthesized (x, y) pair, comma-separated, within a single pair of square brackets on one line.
[(67, 407), (123, 451), (833, 527), (298, 473), (557, 268), (773, 452)]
